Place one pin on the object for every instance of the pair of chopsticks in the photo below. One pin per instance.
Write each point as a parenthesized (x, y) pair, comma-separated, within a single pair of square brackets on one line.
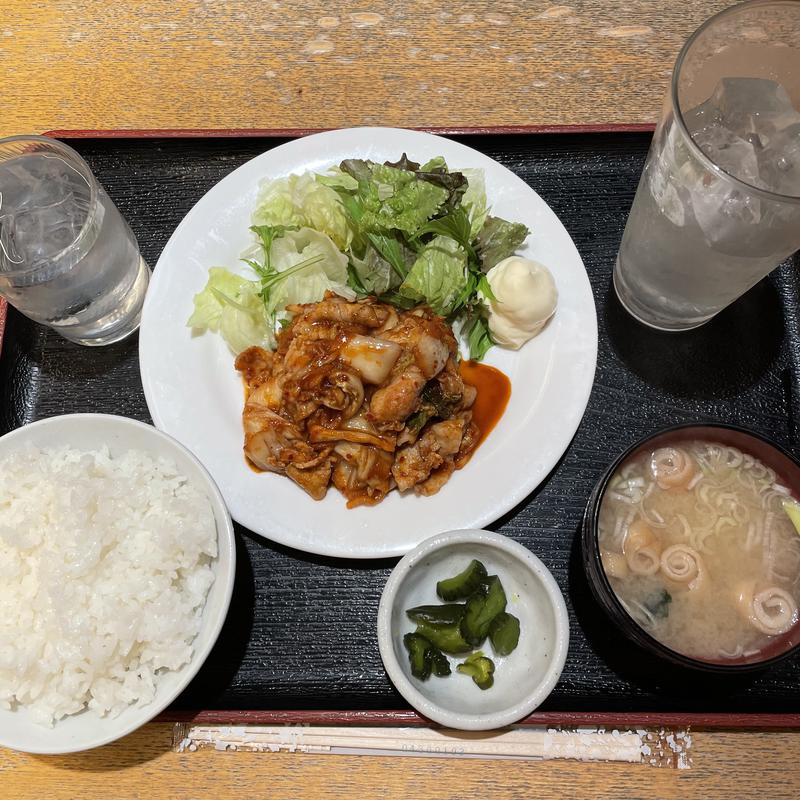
[(657, 748)]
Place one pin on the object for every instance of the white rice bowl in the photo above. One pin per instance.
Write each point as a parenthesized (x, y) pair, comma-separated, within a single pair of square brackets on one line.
[(110, 544)]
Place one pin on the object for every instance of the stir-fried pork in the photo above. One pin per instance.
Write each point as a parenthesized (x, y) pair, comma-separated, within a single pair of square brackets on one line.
[(361, 395)]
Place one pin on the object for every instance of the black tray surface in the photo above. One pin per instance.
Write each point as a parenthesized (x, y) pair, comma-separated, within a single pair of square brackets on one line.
[(301, 629)]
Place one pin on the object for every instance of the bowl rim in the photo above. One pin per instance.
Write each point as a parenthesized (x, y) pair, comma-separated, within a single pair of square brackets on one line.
[(601, 586), (226, 542), (487, 720)]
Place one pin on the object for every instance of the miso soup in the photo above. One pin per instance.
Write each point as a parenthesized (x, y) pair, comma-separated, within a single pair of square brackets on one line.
[(699, 549)]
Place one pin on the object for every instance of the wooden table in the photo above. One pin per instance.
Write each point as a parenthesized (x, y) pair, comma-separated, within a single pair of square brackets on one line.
[(727, 766), (290, 66), (328, 63)]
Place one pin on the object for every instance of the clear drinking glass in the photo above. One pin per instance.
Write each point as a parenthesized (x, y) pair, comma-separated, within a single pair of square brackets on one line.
[(718, 203), (67, 257)]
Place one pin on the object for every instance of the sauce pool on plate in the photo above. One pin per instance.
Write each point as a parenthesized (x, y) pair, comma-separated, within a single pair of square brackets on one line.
[(494, 392)]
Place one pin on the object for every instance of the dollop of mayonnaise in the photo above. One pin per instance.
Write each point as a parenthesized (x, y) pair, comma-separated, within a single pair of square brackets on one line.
[(526, 298)]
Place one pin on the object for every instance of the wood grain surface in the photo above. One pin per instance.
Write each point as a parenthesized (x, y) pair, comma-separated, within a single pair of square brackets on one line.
[(328, 63), (726, 766)]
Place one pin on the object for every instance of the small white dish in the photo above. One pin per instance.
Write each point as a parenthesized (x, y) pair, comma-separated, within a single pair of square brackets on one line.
[(524, 678), (87, 729), (551, 376)]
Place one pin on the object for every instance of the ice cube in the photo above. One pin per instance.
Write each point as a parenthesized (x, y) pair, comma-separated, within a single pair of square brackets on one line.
[(720, 208), (44, 203), (663, 175), (46, 230), (779, 161), (9, 257), (748, 105), (750, 129), (735, 155), (723, 211)]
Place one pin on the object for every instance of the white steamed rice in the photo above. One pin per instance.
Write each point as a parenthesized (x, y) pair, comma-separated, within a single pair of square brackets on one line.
[(105, 564)]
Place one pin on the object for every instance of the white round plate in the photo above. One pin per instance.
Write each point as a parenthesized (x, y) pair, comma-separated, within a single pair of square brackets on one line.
[(194, 393)]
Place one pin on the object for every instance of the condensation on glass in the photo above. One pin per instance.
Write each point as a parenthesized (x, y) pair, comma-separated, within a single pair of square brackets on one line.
[(718, 203), (67, 257)]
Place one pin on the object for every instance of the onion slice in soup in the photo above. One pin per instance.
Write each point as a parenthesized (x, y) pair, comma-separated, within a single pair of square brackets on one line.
[(614, 564)]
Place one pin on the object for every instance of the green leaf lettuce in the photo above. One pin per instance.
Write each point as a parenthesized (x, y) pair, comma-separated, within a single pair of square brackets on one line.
[(393, 199), (438, 276), (474, 199), (499, 239)]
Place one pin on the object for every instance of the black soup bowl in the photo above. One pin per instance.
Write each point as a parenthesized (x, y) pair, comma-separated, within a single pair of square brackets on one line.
[(772, 455)]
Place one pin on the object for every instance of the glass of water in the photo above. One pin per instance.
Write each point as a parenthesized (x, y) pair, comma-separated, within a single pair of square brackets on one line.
[(67, 257), (718, 203)]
